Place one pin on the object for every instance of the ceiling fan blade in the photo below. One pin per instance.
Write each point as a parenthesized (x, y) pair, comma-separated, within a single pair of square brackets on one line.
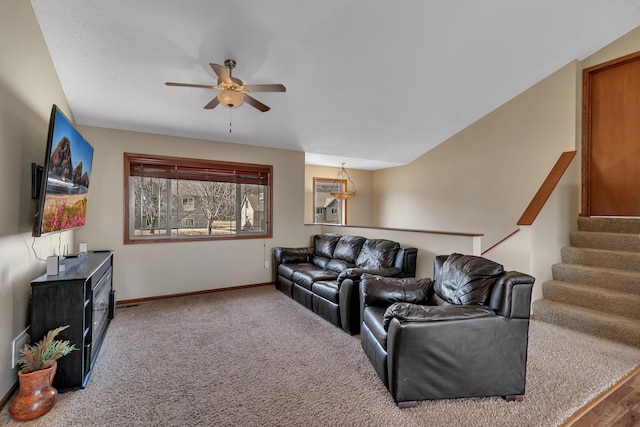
[(255, 103), (191, 85), (212, 104), (221, 72), (265, 88)]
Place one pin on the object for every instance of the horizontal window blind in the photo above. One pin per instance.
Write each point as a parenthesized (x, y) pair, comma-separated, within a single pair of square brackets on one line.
[(196, 169)]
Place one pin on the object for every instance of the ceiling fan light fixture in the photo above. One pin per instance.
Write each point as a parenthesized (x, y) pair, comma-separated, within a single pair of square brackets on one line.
[(230, 98), (231, 90)]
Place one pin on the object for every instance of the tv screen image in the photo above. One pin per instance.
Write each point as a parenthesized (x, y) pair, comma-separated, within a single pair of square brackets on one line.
[(64, 190)]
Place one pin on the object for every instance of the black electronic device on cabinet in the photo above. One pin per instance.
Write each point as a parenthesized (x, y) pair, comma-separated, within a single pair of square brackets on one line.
[(82, 297)]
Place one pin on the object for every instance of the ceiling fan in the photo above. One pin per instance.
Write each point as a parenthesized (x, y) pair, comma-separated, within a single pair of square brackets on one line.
[(233, 92)]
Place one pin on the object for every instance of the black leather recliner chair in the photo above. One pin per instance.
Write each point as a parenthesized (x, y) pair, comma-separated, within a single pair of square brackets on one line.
[(464, 334)]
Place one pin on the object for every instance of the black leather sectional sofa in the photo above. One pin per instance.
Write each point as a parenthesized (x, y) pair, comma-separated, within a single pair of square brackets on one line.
[(316, 276)]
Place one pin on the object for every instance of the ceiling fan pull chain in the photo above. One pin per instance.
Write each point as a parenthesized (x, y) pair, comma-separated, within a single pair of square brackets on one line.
[(229, 119)]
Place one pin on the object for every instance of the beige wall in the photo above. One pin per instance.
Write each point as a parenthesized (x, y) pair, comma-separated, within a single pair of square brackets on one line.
[(359, 210), (146, 270), (625, 45), (28, 87), (482, 179)]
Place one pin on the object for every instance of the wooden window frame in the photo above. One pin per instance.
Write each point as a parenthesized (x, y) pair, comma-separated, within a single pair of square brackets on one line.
[(179, 168), (342, 184)]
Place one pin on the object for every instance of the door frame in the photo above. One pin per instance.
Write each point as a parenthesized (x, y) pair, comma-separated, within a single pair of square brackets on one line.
[(587, 101)]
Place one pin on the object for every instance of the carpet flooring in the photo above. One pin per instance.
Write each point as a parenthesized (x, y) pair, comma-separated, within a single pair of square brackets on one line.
[(596, 287), (254, 357)]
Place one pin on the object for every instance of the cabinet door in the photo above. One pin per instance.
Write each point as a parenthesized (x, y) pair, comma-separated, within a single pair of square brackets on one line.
[(59, 304)]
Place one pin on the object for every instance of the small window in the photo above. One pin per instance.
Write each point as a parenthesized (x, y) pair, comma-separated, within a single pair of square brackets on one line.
[(172, 199), (188, 203), (328, 209)]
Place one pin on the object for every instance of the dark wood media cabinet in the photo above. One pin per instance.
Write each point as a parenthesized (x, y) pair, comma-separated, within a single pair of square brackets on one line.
[(83, 298)]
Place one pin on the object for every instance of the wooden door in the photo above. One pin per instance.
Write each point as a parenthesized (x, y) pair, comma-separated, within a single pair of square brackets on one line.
[(611, 138)]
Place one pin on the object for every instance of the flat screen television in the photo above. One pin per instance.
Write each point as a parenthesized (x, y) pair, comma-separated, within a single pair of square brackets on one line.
[(64, 186)]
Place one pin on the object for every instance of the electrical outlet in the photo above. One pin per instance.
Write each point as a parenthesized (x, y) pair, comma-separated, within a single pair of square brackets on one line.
[(266, 264), (18, 343)]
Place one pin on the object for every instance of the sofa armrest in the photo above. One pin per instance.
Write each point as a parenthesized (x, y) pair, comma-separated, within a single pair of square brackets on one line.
[(407, 312), (292, 255), (356, 272), (384, 291), (349, 304), (511, 295), (406, 260)]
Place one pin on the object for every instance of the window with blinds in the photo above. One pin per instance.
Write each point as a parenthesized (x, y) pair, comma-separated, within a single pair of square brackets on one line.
[(177, 199)]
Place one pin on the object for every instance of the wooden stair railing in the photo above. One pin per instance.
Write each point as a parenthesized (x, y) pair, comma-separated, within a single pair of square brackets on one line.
[(538, 201), (501, 240), (546, 188)]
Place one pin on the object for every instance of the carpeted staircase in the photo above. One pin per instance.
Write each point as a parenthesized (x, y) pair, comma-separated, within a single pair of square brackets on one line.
[(596, 287)]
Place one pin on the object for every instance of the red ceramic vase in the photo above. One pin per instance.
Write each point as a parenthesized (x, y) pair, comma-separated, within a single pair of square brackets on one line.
[(36, 396)]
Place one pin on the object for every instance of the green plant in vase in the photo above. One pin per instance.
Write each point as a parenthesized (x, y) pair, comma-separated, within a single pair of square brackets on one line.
[(38, 365), (42, 354)]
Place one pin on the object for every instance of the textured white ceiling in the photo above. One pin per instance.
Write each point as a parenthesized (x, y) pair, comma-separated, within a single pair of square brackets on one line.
[(373, 83)]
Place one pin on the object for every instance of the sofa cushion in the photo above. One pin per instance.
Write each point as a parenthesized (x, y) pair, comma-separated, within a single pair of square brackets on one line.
[(305, 278), (348, 248), (287, 270), (325, 244), (466, 279), (327, 289), (339, 265), (320, 261), (377, 253)]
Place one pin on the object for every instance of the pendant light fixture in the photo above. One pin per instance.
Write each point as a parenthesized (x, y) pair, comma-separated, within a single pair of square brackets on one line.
[(343, 194)]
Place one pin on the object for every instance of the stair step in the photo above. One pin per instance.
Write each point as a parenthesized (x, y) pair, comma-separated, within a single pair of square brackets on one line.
[(608, 278), (615, 328), (628, 261), (610, 225), (602, 240), (604, 300)]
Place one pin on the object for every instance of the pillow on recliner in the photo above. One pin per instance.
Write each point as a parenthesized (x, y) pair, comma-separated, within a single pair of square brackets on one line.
[(466, 279)]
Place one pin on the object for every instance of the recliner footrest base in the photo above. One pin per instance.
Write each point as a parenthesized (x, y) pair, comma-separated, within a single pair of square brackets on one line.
[(408, 404)]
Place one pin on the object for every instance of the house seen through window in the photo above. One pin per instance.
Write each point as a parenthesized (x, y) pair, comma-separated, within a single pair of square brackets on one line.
[(172, 199), (328, 209)]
